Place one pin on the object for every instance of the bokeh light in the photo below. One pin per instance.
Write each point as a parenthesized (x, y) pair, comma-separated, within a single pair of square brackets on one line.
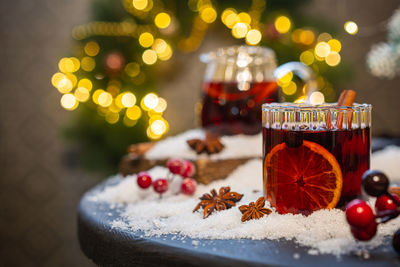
[(82, 94), (208, 14), (253, 37), (66, 65), (240, 30), (324, 37), (105, 99), (112, 117), (85, 83), (244, 17), (307, 57), (162, 20), (128, 122), (149, 56), (285, 79), (307, 37), (161, 106), (335, 45), (92, 48), (140, 4), (317, 98), (290, 88), (128, 100), (150, 101), (282, 24), (333, 59), (134, 113), (64, 85), (322, 49), (351, 27), (146, 39), (88, 64), (69, 102), (56, 78), (231, 20), (158, 127)]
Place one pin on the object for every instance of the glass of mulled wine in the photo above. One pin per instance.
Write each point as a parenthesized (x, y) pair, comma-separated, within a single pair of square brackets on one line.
[(238, 80), (314, 155)]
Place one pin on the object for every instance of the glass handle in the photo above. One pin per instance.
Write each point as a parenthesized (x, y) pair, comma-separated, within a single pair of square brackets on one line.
[(304, 72)]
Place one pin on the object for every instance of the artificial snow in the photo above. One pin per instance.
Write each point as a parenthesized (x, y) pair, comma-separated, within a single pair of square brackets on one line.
[(324, 231), (243, 146)]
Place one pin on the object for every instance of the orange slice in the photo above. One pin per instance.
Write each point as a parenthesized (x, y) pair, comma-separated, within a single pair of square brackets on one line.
[(302, 179)]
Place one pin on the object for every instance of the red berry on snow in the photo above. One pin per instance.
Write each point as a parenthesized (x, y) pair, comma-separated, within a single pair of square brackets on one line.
[(359, 214), (176, 166), (144, 180), (160, 185), (188, 186), (384, 203), (189, 169), (364, 234)]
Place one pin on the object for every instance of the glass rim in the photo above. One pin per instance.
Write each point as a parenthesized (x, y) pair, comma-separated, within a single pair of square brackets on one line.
[(285, 106)]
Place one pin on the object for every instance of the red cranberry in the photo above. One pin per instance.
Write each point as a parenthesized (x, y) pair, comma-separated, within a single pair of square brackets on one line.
[(188, 186), (160, 185), (176, 166), (189, 169), (359, 214), (384, 203), (364, 234), (144, 180)]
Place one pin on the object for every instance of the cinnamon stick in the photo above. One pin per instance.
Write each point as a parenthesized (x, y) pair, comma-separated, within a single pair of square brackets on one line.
[(346, 99)]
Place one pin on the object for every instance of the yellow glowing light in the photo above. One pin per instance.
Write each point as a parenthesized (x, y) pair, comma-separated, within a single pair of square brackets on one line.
[(317, 98), (285, 79), (128, 100), (114, 107), (113, 89), (161, 106), (253, 37), (105, 99), (92, 48), (335, 45), (82, 94), (132, 69), (226, 13), (290, 88), (231, 20), (149, 56), (112, 117), (66, 65), (244, 17), (166, 54), (140, 4), (76, 62), (159, 46), (118, 101), (301, 99), (69, 102), (152, 135), (64, 85), (351, 27), (88, 63), (85, 83), (146, 39), (128, 122), (72, 78), (134, 113), (333, 59), (96, 94), (296, 35), (322, 49), (282, 24), (56, 78), (208, 14), (307, 57), (150, 101), (158, 127), (240, 30), (307, 37), (324, 37), (162, 20)]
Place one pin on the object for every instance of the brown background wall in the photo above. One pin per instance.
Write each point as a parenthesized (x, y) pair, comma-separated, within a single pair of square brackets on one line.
[(38, 191)]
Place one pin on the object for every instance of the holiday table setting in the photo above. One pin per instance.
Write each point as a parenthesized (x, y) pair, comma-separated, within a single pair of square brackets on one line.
[(277, 171)]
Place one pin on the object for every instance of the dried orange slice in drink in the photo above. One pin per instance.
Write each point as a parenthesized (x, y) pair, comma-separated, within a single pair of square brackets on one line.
[(302, 179)]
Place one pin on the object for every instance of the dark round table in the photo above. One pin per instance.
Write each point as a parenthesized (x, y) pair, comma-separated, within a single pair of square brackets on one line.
[(107, 246)]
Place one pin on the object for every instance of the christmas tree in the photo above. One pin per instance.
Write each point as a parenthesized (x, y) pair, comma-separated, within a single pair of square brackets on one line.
[(119, 58)]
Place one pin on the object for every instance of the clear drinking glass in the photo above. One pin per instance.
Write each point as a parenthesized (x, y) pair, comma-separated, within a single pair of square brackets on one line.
[(314, 155), (237, 81)]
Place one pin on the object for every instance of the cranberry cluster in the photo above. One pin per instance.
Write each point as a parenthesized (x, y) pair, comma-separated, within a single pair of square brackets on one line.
[(363, 222), (183, 168)]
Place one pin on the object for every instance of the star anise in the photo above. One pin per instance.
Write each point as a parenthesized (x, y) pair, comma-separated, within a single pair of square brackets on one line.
[(254, 211), (225, 199), (210, 144)]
